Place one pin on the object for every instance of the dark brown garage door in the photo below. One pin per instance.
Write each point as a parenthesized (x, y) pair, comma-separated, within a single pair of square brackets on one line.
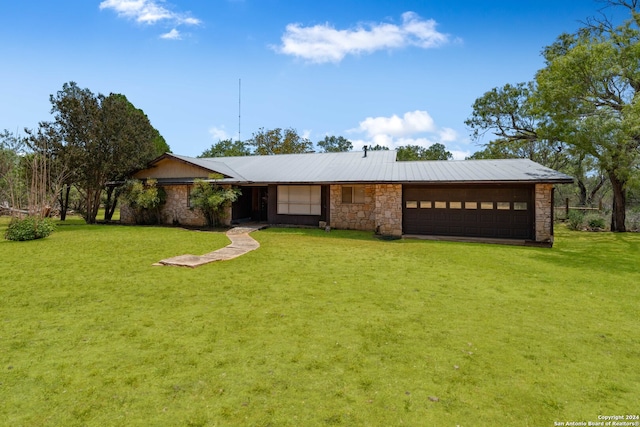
[(492, 212)]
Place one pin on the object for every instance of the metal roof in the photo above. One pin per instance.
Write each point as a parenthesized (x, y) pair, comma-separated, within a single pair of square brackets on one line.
[(375, 167)]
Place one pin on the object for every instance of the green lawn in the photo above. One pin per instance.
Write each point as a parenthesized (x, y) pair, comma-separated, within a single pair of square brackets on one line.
[(316, 329)]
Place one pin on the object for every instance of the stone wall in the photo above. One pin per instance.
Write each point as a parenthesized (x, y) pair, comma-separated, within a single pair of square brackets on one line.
[(381, 210), (352, 216), (175, 211), (388, 210), (544, 212)]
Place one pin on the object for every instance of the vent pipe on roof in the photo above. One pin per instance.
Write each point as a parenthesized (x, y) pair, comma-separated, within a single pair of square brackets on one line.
[(365, 150)]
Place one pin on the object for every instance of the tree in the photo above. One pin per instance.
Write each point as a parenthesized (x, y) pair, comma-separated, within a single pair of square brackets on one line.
[(101, 139), (226, 148), (212, 199), (589, 89), (415, 152), (13, 189), (274, 142), (510, 114), (335, 144)]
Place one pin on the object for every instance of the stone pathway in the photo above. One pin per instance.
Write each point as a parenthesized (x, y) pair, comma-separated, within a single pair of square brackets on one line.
[(241, 243)]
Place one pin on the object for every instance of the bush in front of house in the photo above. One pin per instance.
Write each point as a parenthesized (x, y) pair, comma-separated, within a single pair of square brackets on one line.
[(145, 200), (29, 228), (211, 199)]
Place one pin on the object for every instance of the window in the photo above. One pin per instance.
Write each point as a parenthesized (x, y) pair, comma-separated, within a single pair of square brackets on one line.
[(503, 206), (486, 205), (519, 206), (471, 205), (425, 204), (299, 200), (455, 205), (441, 205), (412, 204), (353, 194)]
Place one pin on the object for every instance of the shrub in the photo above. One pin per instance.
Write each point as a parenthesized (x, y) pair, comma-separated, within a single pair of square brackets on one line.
[(145, 200), (29, 228), (595, 222), (211, 199), (575, 219)]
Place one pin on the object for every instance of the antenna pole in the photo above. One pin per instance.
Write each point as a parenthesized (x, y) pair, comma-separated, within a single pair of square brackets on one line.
[(239, 106)]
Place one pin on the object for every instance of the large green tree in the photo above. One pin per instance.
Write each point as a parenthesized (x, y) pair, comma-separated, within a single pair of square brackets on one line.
[(510, 114), (589, 91), (335, 144), (436, 151), (101, 139), (226, 148), (277, 141)]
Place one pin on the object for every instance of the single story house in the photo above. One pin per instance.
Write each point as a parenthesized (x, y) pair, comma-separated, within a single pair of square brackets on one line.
[(370, 190)]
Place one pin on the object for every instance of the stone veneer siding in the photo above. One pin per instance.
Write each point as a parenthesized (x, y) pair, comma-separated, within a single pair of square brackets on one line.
[(352, 216), (544, 212), (389, 209), (175, 211), (381, 210)]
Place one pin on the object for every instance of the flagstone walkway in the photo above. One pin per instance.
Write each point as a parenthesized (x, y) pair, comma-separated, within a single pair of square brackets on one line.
[(241, 243)]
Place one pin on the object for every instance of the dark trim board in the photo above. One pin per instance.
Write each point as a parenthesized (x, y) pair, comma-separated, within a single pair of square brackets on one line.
[(476, 211)]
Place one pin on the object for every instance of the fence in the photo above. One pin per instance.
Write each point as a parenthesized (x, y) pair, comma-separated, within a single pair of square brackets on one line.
[(566, 208)]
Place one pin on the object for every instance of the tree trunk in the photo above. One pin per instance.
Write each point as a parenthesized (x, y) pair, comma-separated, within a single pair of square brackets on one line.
[(618, 216), (64, 201), (592, 195), (92, 205), (583, 193), (110, 205)]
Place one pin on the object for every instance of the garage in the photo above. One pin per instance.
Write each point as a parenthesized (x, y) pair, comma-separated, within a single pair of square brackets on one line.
[(490, 211)]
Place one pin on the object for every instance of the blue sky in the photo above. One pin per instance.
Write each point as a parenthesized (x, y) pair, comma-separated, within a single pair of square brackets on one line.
[(387, 72)]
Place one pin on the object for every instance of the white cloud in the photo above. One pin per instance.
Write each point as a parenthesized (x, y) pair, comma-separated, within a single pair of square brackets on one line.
[(448, 135), (460, 155), (148, 12), (324, 43), (413, 128), (411, 123), (218, 134), (172, 35)]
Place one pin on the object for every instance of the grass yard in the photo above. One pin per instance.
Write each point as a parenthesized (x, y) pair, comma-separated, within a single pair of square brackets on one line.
[(316, 329)]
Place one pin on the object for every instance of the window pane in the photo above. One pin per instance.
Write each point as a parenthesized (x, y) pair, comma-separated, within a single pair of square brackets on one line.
[(520, 206), (346, 194), (299, 209), (299, 194), (455, 205), (358, 194), (486, 205), (283, 208), (283, 193), (471, 205), (504, 206), (441, 205), (412, 204), (425, 204)]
